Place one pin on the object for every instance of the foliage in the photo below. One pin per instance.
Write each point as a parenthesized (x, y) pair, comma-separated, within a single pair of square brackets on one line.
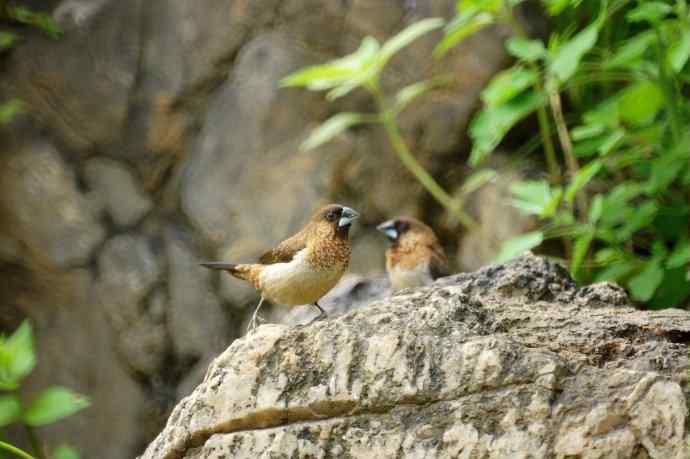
[(363, 69), (12, 19), (17, 360), (622, 68), (609, 89)]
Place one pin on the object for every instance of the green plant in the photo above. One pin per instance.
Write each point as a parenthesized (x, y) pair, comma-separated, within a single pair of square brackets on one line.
[(623, 216), (13, 17), (17, 360), (363, 69)]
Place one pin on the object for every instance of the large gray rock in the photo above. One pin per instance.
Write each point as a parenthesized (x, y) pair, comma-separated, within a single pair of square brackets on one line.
[(44, 210), (115, 185), (510, 361), (128, 271)]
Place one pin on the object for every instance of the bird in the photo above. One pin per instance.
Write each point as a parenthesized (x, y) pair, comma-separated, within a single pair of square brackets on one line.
[(415, 257), (303, 268)]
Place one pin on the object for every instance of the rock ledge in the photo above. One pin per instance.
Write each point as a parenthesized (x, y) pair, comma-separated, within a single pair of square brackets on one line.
[(510, 361)]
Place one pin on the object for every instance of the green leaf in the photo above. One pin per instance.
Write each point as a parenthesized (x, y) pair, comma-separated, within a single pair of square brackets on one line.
[(567, 58), (679, 52), (615, 272), (640, 102), (556, 7), (518, 245), (581, 179), (339, 71), (459, 30), (411, 92), (65, 452), (640, 218), (587, 131), (649, 11), (331, 128), (526, 50), (7, 40), (490, 125), (580, 249), (477, 180), (407, 36), (490, 6), (664, 171), (10, 409), (10, 109), (535, 197), (53, 404), (680, 255), (632, 50), (43, 21), (611, 141), (596, 209), (17, 357), (643, 285), (508, 84)]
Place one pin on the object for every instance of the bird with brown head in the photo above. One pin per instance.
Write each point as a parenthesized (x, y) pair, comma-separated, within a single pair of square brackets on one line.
[(415, 257), (303, 268)]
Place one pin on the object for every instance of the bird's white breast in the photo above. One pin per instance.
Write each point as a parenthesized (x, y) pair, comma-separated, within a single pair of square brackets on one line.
[(298, 282), (418, 276)]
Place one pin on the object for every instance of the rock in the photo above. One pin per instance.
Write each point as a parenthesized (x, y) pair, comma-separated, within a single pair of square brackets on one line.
[(76, 350), (197, 324), (44, 210), (83, 96), (128, 271), (497, 363), (112, 182)]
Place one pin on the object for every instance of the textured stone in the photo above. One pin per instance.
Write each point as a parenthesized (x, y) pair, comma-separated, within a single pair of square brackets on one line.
[(197, 324), (43, 208), (128, 271), (79, 85), (498, 363), (113, 183)]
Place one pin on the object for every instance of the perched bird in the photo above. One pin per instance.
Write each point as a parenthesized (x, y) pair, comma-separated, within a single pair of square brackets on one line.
[(416, 257), (304, 267)]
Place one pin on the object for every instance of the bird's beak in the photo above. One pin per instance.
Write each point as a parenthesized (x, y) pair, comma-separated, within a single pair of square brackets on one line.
[(388, 228), (347, 216)]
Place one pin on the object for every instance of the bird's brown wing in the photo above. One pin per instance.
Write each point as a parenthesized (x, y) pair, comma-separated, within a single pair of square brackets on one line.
[(438, 265), (284, 251)]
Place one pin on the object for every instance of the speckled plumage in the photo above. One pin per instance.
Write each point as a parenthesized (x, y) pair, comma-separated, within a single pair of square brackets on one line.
[(415, 258), (304, 267)]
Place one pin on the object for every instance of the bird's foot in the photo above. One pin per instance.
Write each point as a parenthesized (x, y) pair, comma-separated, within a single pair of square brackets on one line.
[(254, 323), (321, 316)]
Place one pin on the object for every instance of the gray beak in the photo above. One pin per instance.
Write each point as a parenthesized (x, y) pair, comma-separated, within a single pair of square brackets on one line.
[(388, 228), (347, 216)]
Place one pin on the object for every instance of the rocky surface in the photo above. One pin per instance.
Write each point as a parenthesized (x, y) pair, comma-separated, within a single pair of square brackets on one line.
[(510, 361)]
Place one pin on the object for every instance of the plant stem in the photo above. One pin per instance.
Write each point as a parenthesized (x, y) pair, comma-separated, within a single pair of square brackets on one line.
[(35, 442), (567, 145), (411, 163), (542, 116), (668, 88), (16, 451)]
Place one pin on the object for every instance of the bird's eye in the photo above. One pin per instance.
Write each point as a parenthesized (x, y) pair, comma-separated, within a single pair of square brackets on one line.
[(332, 216), (402, 227)]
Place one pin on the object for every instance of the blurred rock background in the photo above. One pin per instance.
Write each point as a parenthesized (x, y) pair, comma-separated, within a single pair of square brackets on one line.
[(156, 136)]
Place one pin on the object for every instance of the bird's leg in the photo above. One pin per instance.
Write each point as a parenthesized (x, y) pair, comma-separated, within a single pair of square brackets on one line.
[(322, 315), (252, 323)]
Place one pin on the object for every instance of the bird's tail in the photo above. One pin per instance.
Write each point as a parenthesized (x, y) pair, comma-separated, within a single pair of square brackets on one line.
[(244, 272)]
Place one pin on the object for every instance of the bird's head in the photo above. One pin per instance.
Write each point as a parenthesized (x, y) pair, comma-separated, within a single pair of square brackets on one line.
[(334, 219), (407, 231)]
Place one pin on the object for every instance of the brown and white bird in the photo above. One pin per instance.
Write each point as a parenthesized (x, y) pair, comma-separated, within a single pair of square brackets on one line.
[(415, 257), (303, 268)]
